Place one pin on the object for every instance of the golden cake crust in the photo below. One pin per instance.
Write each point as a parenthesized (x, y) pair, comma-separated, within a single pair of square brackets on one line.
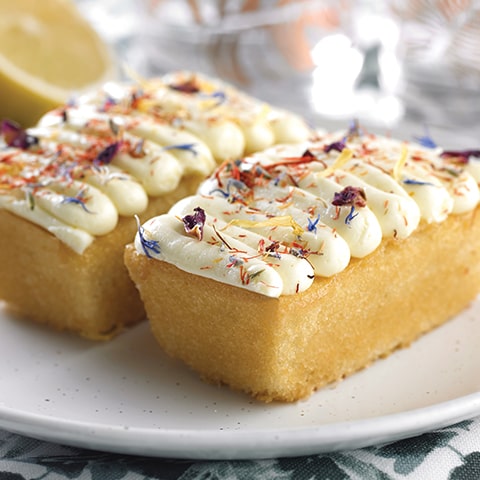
[(97, 296), (285, 348), (75, 181)]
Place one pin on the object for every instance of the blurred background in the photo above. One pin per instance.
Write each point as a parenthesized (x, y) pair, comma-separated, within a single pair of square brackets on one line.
[(401, 66), (389, 63)]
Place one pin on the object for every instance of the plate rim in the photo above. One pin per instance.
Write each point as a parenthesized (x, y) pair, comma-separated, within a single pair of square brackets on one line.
[(228, 444)]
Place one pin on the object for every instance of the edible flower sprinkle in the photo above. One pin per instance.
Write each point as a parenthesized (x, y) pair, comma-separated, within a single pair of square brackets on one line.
[(338, 146), (312, 225), (188, 86), (281, 221), (398, 167), (190, 147), (16, 136), (130, 143), (77, 201), (426, 141), (194, 224), (231, 183), (341, 160), (294, 212), (350, 196), (107, 154), (411, 181), (148, 245), (354, 129), (460, 156)]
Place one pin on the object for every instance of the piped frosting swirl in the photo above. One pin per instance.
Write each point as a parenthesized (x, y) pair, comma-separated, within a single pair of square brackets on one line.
[(89, 162), (307, 209)]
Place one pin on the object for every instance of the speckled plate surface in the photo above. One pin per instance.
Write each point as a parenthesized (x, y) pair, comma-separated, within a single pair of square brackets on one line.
[(126, 396)]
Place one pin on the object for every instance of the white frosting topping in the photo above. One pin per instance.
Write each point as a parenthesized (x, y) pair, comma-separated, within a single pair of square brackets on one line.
[(320, 202), (228, 121), (85, 165), (227, 263)]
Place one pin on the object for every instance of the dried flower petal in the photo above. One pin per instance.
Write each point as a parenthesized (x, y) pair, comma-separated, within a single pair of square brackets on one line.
[(351, 215), (147, 245), (238, 185), (411, 181), (338, 146), (16, 136), (219, 96), (350, 196), (426, 141), (189, 147), (281, 221), (188, 86), (108, 103), (77, 201), (107, 154), (114, 126), (194, 224), (460, 156), (312, 225), (138, 149), (354, 128), (307, 154)]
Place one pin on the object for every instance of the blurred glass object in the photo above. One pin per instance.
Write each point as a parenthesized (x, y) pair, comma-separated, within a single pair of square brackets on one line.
[(325, 59), (263, 46), (439, 54), (305, 55), (120, 23), (357, 70)]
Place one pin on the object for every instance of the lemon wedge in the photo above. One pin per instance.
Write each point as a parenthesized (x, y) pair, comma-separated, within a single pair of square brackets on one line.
[(48, 52)]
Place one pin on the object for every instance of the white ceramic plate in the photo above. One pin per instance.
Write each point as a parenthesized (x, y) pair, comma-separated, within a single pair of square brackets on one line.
[(125, 396)]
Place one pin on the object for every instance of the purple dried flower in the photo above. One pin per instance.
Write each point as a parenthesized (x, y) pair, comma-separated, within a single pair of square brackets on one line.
[(460, 156), (194, 224), (338, 146), (350, 196), (107, 154), (16, 136)]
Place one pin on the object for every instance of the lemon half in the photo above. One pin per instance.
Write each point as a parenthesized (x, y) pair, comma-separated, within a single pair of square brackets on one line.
[(48, 53)]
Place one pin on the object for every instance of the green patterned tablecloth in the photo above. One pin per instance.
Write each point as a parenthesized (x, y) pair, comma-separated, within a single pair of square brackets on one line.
[(451, 453)]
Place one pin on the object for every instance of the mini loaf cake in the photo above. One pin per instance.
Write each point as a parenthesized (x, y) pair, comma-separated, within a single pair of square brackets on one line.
[(297, 266), (71, 186)]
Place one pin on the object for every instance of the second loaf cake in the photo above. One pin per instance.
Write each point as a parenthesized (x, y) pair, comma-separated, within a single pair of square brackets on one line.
[(70, 188)]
